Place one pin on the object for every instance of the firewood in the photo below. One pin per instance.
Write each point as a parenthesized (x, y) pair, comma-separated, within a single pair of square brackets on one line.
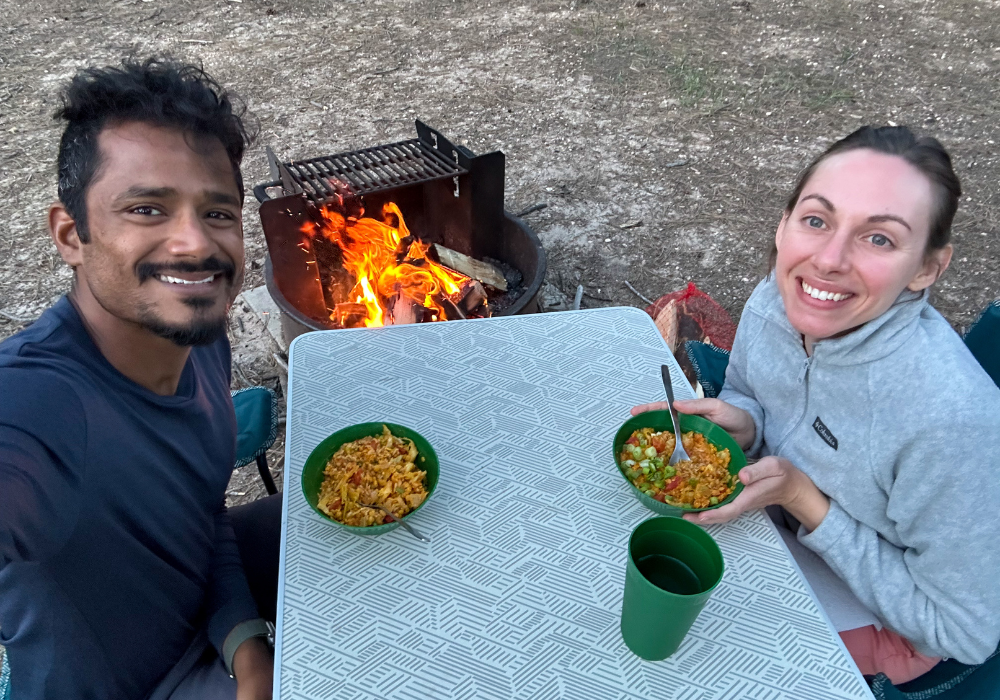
[(403, 310), (486, 273), (349, 314), (452, 310), (473, 296)]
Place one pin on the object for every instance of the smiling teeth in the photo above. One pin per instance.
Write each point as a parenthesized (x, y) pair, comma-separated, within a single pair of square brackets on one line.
[(178, 280), (822, 296)]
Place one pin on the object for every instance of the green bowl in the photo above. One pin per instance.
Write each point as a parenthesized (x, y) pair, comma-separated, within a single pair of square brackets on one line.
[(312, 472), (660, 420)]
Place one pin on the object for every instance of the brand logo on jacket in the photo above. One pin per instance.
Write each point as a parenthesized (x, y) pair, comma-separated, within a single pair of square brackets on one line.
[(824, 432)]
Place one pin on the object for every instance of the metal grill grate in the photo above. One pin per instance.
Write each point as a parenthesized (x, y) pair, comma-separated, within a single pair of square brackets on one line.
[(372, 169)]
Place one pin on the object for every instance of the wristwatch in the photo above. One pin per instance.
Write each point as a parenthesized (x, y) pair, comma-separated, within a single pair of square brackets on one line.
[(242, 632)]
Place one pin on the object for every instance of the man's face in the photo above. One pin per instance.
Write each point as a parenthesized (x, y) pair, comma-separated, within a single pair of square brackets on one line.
[(166, 232)]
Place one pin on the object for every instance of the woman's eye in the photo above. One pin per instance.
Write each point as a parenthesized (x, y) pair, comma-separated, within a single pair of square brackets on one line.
[(879, 240), (814, 222)]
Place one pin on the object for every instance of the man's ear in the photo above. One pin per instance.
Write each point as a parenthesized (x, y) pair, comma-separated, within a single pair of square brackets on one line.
[(62, 228), (935, 263)]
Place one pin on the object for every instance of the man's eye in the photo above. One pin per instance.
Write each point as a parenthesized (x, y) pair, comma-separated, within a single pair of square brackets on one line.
[(879, 240), (146, 211), (225, 216), (814, 222)]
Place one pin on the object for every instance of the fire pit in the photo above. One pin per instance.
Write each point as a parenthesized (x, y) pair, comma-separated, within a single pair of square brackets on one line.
[(408, 232)]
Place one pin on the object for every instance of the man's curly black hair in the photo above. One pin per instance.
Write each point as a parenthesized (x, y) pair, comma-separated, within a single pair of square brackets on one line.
[(157, 91)]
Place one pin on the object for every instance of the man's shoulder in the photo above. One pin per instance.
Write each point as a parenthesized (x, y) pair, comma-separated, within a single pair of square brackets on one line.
[(40, 373), (53, 330)]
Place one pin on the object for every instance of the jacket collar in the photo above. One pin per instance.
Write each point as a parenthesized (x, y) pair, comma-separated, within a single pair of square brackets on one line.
[(872, 341)]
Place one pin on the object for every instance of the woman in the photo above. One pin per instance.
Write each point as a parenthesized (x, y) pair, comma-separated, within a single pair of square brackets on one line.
[(881, 430)]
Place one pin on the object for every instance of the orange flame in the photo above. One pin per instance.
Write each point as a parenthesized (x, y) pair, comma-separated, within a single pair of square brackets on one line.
[(387, 264)]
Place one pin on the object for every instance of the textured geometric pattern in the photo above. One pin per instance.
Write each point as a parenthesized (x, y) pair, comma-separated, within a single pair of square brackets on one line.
[(518, 595)]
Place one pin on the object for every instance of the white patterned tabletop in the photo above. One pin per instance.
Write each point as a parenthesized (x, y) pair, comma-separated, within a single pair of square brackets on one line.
[(518, 595)]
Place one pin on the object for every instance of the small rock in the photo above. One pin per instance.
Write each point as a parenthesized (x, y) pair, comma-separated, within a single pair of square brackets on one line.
[(551, 298)]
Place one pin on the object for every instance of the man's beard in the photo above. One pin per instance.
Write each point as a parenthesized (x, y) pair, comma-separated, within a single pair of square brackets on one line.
[(200, 331)]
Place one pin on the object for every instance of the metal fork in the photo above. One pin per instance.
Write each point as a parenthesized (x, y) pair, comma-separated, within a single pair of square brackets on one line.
[(679, 454), (406, 526)]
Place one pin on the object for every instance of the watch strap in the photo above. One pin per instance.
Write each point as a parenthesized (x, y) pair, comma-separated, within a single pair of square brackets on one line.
[(242, 632)]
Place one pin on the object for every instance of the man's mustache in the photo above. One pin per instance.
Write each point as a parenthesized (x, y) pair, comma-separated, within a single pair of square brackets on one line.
[(147, 270)]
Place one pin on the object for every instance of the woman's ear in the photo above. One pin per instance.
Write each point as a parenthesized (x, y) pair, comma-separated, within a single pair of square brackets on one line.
[(62, 229), (781, 229), (935, 263)]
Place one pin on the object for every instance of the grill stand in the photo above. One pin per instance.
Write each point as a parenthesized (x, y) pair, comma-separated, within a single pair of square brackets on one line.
[(447, 194)]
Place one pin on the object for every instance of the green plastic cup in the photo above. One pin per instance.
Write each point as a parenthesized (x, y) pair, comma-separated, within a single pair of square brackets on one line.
[(673, 567)]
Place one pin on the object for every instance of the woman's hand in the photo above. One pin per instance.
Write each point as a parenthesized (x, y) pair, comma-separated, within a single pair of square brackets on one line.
[(772, 481), (734, 421)]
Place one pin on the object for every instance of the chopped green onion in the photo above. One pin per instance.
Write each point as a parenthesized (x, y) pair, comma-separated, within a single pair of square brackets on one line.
[(650, 452), (714, 500), (658, 462), (669, 471), (629, 463)]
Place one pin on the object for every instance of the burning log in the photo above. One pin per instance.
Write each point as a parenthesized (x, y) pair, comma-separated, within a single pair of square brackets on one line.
[(382, 274), (349, 314), (470, 267), (474, 297), (403, 310)]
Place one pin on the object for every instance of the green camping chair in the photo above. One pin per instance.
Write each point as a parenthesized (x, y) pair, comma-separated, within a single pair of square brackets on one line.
[(949, 680), (257, 427), (983, 340)]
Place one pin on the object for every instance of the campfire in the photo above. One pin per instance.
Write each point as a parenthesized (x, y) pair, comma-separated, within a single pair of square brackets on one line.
[(377, 273), (458, 254)]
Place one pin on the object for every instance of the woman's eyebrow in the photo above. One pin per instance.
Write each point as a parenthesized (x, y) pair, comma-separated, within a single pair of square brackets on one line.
[(821, 199), (888, 217)]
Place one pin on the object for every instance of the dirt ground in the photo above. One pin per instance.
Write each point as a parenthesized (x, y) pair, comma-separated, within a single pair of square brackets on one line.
[(692, 118)]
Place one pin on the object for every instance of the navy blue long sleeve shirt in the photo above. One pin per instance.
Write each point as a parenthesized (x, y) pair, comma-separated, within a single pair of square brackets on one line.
[(115, 544)]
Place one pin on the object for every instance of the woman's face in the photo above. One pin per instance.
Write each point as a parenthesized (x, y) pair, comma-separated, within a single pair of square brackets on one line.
[(854, 241)]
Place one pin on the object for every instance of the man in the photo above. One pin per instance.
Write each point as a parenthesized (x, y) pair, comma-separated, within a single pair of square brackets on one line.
[(120, 575)]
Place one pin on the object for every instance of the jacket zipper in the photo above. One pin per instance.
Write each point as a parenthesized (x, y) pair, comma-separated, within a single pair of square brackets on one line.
[(802, 379)]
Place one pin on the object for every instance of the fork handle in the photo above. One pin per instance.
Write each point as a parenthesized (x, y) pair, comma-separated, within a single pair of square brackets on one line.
[(679, 452), (406, 526), (412, 530)]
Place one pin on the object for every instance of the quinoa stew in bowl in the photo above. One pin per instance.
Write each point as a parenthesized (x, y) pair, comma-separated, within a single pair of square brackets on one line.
[(370, 464), (642, 449)]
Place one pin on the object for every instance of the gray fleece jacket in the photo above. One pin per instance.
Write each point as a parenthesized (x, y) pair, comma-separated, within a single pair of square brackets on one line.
[(899, 425)]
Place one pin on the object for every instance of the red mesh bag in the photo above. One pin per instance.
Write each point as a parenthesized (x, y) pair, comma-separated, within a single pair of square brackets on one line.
[(690, 314)]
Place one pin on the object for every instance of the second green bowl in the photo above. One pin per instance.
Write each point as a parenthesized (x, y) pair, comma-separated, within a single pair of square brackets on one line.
[(660, 420)]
